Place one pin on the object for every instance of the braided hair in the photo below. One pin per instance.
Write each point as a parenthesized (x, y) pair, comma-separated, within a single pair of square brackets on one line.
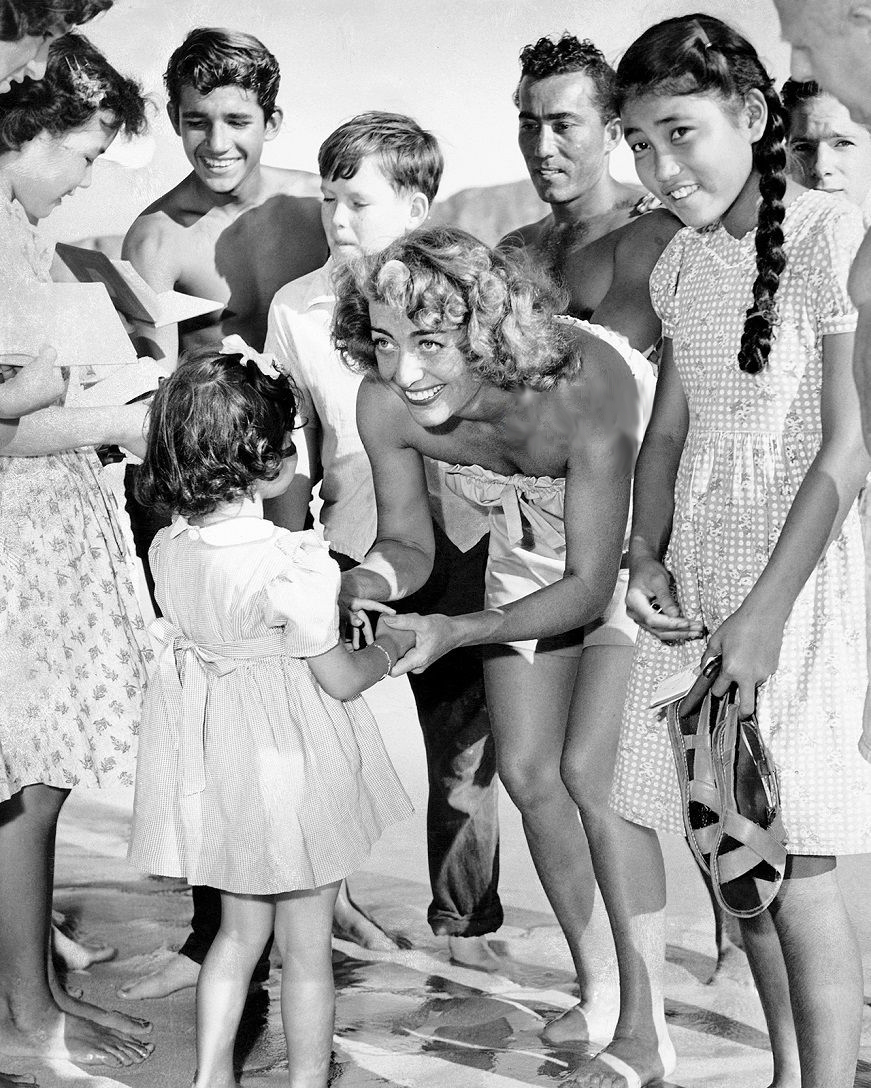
[(698, 54)]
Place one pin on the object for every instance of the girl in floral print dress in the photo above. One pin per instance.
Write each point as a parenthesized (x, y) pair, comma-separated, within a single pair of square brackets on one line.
[(72, 642), (745, 540)]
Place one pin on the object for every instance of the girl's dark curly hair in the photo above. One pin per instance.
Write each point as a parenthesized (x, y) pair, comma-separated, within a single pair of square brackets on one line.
[(442, 277), (698, 54), (34, 18), (78, 83), (217, 425)]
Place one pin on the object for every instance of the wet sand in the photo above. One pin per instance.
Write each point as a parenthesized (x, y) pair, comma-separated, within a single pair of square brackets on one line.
[(410, 1018)]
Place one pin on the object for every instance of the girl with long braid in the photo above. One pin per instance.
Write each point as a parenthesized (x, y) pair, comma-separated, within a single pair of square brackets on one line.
[(745, 543)]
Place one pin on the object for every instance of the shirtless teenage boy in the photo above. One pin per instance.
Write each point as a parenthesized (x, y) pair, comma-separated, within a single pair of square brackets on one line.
[(232, 230), (235, 231)]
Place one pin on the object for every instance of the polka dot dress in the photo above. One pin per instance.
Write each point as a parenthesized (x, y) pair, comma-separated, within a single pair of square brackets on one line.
[(750, 443)]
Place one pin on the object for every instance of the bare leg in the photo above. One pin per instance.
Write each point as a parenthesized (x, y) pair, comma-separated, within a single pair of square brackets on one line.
[(31, 1022), (303, 924), (731, 955), (474, 952), (246, 923), (529, 708), (765, 956), (824, 968), (633, 886)]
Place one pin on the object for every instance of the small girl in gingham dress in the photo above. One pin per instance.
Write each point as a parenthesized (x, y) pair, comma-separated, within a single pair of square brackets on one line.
[(261, 772)]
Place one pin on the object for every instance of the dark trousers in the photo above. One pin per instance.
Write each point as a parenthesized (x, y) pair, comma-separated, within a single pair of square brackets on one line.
[(462, 823), (462, 812)]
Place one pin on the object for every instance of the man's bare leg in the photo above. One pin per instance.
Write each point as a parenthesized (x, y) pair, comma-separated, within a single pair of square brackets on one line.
[(529, 708), (32, 1025)]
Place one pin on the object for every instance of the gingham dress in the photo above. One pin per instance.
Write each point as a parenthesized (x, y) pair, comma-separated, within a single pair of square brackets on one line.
[(250, 777), (751, 441)]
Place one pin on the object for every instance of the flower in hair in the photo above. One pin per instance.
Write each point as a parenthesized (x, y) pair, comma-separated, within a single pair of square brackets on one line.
[(87, 87), (265, 361)]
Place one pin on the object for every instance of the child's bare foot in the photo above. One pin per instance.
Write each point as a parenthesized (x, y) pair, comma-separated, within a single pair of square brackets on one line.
[(177, 973), (56, 1035), (584, 1023), (474, 952), (625, 1063), (75, 955), (350, 923)]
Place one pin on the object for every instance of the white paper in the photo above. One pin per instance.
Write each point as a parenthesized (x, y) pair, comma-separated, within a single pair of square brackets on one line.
[(77, 319), (125, 384), (674, 687)]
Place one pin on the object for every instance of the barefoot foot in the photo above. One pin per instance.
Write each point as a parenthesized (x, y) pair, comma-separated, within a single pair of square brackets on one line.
[(177, 973), (13, 1080), (474, 952), (624, 1063), (57, 1035), (351, 923), (77, 956), (107, 1018), (583, 1024)]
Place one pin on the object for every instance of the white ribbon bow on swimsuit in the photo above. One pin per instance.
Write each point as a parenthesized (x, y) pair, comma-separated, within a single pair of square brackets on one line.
[(265, 361)]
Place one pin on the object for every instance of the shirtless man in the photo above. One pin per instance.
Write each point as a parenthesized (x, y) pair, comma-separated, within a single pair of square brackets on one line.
[(594, 240), (232, 230)]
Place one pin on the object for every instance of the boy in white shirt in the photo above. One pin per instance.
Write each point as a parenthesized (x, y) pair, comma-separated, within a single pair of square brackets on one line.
[(379, 174)]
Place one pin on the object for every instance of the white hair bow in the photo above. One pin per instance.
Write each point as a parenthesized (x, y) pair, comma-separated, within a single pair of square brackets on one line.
[(265, 361)]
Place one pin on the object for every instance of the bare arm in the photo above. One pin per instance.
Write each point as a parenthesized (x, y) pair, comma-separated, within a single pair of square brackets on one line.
[(150, 255), (51, 430), (400, 560), (627, 307), (750, 639), (860, 292), (344, 673)]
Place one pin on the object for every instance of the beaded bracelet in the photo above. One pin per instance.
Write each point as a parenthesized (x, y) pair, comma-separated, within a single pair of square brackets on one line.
[(389, 668)]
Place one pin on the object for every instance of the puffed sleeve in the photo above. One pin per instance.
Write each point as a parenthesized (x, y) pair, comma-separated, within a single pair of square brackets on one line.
[(664, 280), (835, 244), (303, 598)]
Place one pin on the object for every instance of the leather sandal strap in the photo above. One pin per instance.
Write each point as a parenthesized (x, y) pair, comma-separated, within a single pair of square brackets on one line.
[(758, 845)]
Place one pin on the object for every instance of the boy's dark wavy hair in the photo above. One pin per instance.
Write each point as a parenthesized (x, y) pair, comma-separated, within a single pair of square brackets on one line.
[(549, 57), (217, 425), (78, 83), (698, 54), (34, 18), (212, 57)]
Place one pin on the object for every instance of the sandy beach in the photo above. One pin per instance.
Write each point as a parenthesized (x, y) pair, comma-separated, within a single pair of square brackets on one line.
[(409, 1017)]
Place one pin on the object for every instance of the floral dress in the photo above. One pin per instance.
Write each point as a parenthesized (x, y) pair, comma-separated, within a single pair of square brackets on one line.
[(73, 645), (751, 440)]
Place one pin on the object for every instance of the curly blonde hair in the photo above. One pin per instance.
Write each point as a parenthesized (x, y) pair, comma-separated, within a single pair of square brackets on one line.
[(442, 277)]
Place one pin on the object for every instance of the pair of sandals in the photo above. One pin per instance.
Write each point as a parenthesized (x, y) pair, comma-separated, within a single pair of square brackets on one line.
[(729, 796)]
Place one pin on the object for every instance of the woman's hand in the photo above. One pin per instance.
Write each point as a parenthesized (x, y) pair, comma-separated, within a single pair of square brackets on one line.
[(650, 602), (435, 635), (749, 644)]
